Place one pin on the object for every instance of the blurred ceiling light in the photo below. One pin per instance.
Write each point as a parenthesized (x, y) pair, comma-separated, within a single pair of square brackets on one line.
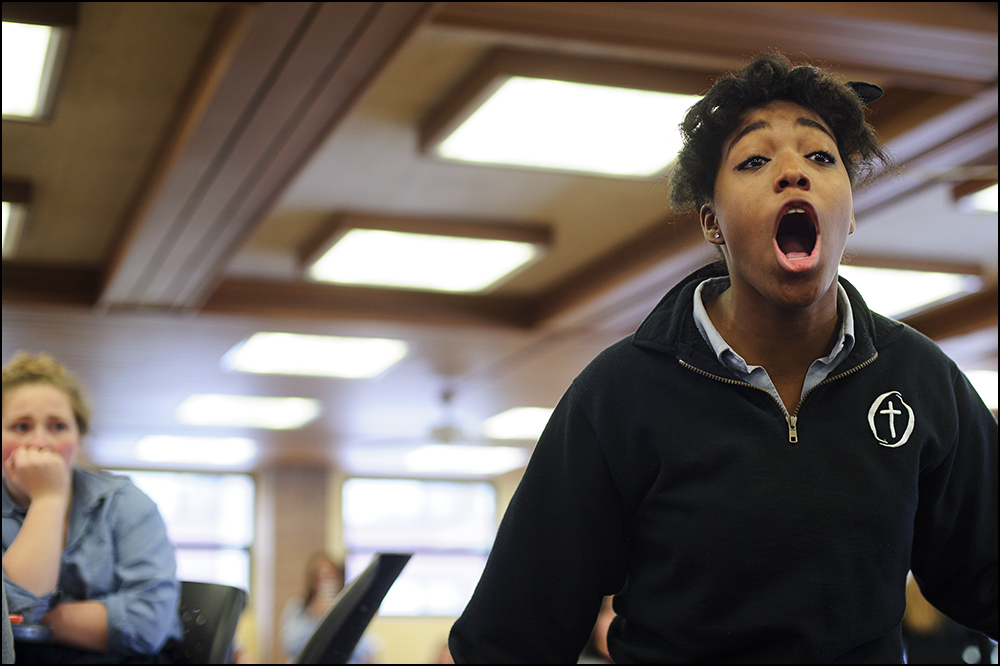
[(564, 113), (16, 199), (247, 411), (214, 451), (897, 293), (421, 253), (517, 423), (985, 383), (25, 48), (465, 459), (980, 201), (316, 355), (572, 127), (35, 39), (420, 261)]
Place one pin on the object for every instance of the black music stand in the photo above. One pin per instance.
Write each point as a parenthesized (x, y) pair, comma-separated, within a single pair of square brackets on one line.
[(341, 628)]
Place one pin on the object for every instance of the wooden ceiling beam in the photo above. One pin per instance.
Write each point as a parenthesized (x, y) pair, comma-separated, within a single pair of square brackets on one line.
[(267, 105), (50, 285), (965, 315), (308, 300), (900, 48)]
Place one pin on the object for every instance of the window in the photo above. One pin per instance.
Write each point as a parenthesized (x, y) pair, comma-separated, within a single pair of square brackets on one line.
[(209, 520), (448, 525)]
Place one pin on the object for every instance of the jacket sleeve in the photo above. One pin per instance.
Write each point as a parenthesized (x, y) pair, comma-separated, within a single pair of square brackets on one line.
[(142, 610), (955, 532), (560, 549)]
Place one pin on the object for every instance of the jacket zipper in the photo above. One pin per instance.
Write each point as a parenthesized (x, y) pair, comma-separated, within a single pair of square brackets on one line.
[(791, 419)]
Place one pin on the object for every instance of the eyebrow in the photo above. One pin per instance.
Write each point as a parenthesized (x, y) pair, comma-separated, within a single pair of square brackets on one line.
[(761, 124)]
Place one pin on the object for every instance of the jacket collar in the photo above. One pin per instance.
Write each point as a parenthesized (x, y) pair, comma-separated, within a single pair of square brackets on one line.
[(670, 327)]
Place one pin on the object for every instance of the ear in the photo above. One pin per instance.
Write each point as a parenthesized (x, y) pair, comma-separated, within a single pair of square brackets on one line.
[(710, 225), (853, 225)]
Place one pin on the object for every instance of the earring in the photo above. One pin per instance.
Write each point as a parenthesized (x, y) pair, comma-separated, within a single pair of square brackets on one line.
[(718, 235)]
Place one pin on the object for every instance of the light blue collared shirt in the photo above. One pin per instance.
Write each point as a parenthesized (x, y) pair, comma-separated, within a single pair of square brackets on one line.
[(756, 375), (117, 552)]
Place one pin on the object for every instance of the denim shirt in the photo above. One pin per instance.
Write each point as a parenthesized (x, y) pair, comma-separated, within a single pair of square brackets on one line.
[(756, 374), (117, 552)]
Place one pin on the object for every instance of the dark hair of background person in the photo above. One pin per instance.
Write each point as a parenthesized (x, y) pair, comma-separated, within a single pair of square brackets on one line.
[(316, 561)]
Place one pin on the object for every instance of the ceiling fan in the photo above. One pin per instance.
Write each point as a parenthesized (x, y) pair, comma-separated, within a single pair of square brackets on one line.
[(447, 450)]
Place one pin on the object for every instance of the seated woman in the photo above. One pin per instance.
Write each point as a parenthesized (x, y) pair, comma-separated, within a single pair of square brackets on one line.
[(84, 552), (302, 614)]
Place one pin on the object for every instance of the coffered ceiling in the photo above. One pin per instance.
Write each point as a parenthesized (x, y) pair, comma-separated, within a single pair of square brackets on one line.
[(195, 148)]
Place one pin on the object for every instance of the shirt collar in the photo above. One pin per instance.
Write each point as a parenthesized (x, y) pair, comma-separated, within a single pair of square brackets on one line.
[(712, 287), (89, 490)]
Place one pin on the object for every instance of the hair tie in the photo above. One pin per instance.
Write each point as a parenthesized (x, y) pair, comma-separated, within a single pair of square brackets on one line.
[(868, 92)]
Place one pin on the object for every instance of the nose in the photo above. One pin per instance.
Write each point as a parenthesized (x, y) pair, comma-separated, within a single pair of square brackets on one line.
[(791, 174), (37, 437)]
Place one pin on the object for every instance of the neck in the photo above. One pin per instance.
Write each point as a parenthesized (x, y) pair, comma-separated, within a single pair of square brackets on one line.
[(784, 341)]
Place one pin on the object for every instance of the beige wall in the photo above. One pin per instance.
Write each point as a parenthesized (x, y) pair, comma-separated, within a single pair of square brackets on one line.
[(292, 525), (411, 640)]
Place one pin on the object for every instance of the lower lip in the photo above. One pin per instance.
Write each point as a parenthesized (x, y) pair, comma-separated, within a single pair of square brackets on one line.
[(798, 264)]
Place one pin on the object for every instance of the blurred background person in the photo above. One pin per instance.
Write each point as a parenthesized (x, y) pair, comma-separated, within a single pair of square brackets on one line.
[(302, 614)]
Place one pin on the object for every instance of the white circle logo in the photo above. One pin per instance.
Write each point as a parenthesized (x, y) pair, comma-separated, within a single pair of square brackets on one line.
[(891, 419)]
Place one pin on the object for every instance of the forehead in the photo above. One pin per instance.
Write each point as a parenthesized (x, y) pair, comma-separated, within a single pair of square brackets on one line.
[(778, 114), (36, 397)]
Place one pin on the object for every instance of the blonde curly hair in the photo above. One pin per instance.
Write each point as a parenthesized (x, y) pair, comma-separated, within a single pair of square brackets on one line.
[(24, 369)]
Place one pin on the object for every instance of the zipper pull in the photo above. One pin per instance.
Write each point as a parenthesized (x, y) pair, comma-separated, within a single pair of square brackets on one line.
[(793, 433)]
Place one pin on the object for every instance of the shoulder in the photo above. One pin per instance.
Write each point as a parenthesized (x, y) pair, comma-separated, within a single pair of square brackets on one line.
[(100, 483), (294, 608), (115, 492), (905, 345)]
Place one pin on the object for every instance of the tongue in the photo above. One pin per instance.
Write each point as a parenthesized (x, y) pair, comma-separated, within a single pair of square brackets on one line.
[(794, 246)]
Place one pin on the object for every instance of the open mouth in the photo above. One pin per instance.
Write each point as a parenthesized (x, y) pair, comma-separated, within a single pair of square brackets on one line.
[(796, 235)]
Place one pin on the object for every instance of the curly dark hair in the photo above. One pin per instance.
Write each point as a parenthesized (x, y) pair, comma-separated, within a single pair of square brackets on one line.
[(767, 78)]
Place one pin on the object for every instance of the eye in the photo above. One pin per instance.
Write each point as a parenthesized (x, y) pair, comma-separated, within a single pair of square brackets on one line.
[(752, 163), (19, 427), (822, 157)]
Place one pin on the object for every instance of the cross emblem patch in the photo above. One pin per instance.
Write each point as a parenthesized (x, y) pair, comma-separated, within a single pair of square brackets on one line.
[(891, 419)]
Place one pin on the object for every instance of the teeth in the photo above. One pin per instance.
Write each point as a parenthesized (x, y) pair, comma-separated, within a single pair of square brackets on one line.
[(795, 210)]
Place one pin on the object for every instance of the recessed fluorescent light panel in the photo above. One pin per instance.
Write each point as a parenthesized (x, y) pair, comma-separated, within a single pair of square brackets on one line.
[(983, 201), (465, 459), (12, 214), (569, 126), (316, 355), (376, 257), (896, 293), (247, 411), (29, 57), (517, 423), (16, 198), (213, 451)]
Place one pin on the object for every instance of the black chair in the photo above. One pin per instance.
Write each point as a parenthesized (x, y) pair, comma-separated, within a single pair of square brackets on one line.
[(209, 614), (341, 628)]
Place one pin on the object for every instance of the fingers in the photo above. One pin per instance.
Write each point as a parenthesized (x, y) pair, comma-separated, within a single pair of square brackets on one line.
[(38, 471)]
